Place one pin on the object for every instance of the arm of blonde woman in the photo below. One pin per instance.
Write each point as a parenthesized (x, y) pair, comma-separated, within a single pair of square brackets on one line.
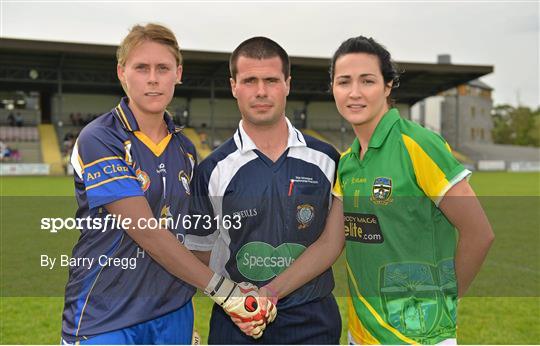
[(160, 244), (461, 206), (165, 249)]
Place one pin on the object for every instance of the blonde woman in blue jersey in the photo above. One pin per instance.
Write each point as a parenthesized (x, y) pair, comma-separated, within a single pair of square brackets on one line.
[(134, 165), (404, 196)]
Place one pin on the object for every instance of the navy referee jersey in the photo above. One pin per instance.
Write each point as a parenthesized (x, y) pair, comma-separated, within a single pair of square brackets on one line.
[(270, 212)]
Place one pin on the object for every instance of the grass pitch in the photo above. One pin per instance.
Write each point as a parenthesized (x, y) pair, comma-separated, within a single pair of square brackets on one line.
[(502, 306)]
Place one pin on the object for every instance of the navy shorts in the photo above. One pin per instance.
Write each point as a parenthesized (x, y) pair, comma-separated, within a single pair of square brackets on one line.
[(317, 323)]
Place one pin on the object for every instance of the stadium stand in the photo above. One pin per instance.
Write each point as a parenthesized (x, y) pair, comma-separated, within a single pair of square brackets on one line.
[(21, 144), (50, 150), (89, 87), (508, 153), (202, 149), (19, 134)]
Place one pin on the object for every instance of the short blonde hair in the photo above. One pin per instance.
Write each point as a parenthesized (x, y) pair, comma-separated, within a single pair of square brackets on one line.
[(150, 32)]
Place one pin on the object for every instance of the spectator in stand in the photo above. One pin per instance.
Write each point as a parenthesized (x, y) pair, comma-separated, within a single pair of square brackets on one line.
[(19, 122), (11, 119), (203, 135), (15, 155), (78, 119), (3, 151), (69, 141), (72, 119)]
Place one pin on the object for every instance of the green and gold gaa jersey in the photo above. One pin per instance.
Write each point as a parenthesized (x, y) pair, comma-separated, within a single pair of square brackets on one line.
[(399, 245)]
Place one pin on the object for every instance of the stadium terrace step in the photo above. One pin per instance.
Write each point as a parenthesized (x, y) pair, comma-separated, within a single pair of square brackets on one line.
[(202, 149), (50, 149)]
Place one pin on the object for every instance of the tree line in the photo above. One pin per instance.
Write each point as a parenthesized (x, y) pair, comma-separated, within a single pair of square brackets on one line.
[(516, 125)]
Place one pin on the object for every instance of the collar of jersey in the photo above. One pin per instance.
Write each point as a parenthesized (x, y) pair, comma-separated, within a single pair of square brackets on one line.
[(245, 144), (381, 131), (128, 121)]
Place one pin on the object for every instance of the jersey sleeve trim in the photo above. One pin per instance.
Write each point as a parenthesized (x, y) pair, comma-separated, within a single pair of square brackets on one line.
[(100, 160), (463, 174), (109, 180)]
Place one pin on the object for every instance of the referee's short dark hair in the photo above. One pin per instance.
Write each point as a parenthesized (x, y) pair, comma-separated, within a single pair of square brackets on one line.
[(259, 47)]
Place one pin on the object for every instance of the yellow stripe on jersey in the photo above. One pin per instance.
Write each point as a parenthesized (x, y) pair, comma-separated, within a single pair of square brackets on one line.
[(101, 160), (429, 176), (123, 117), (345, 153), (448, 146), (359, 333), (157, 149), (80, 162), (337, 190), (109, 180), (374, 313)]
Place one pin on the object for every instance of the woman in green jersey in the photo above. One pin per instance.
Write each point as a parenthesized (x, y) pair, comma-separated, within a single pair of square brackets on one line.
[(416, 235)]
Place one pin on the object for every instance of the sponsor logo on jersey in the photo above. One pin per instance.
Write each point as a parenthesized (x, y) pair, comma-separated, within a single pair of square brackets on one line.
[(259, 261), (143, 179), (363, 228), (304, 215), (161, 169), (381, 191), (184, 179), (353, 181), (246, 213)]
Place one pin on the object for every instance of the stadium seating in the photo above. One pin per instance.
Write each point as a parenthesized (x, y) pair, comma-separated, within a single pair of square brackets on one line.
[(19, 134)]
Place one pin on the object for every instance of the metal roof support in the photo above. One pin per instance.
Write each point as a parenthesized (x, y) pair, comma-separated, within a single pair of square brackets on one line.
[(212, 106), (60, 95)]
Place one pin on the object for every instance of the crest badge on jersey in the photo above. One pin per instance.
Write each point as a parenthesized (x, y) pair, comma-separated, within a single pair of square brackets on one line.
[(143, 179), (183, 177), (304, 215), (381, 191)]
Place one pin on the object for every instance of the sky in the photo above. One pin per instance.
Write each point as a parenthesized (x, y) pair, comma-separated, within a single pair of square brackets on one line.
[(504, 34)]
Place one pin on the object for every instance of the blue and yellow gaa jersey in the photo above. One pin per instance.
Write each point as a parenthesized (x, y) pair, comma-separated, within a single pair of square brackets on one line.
[(267, 212), (114, 283)]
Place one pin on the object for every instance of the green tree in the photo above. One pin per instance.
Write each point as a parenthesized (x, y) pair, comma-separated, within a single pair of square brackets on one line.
[(502, 133), (534, 132), (517, 126)]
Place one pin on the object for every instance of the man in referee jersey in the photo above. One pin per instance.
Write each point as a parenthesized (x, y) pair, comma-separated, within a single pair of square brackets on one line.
[(278, 183)]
